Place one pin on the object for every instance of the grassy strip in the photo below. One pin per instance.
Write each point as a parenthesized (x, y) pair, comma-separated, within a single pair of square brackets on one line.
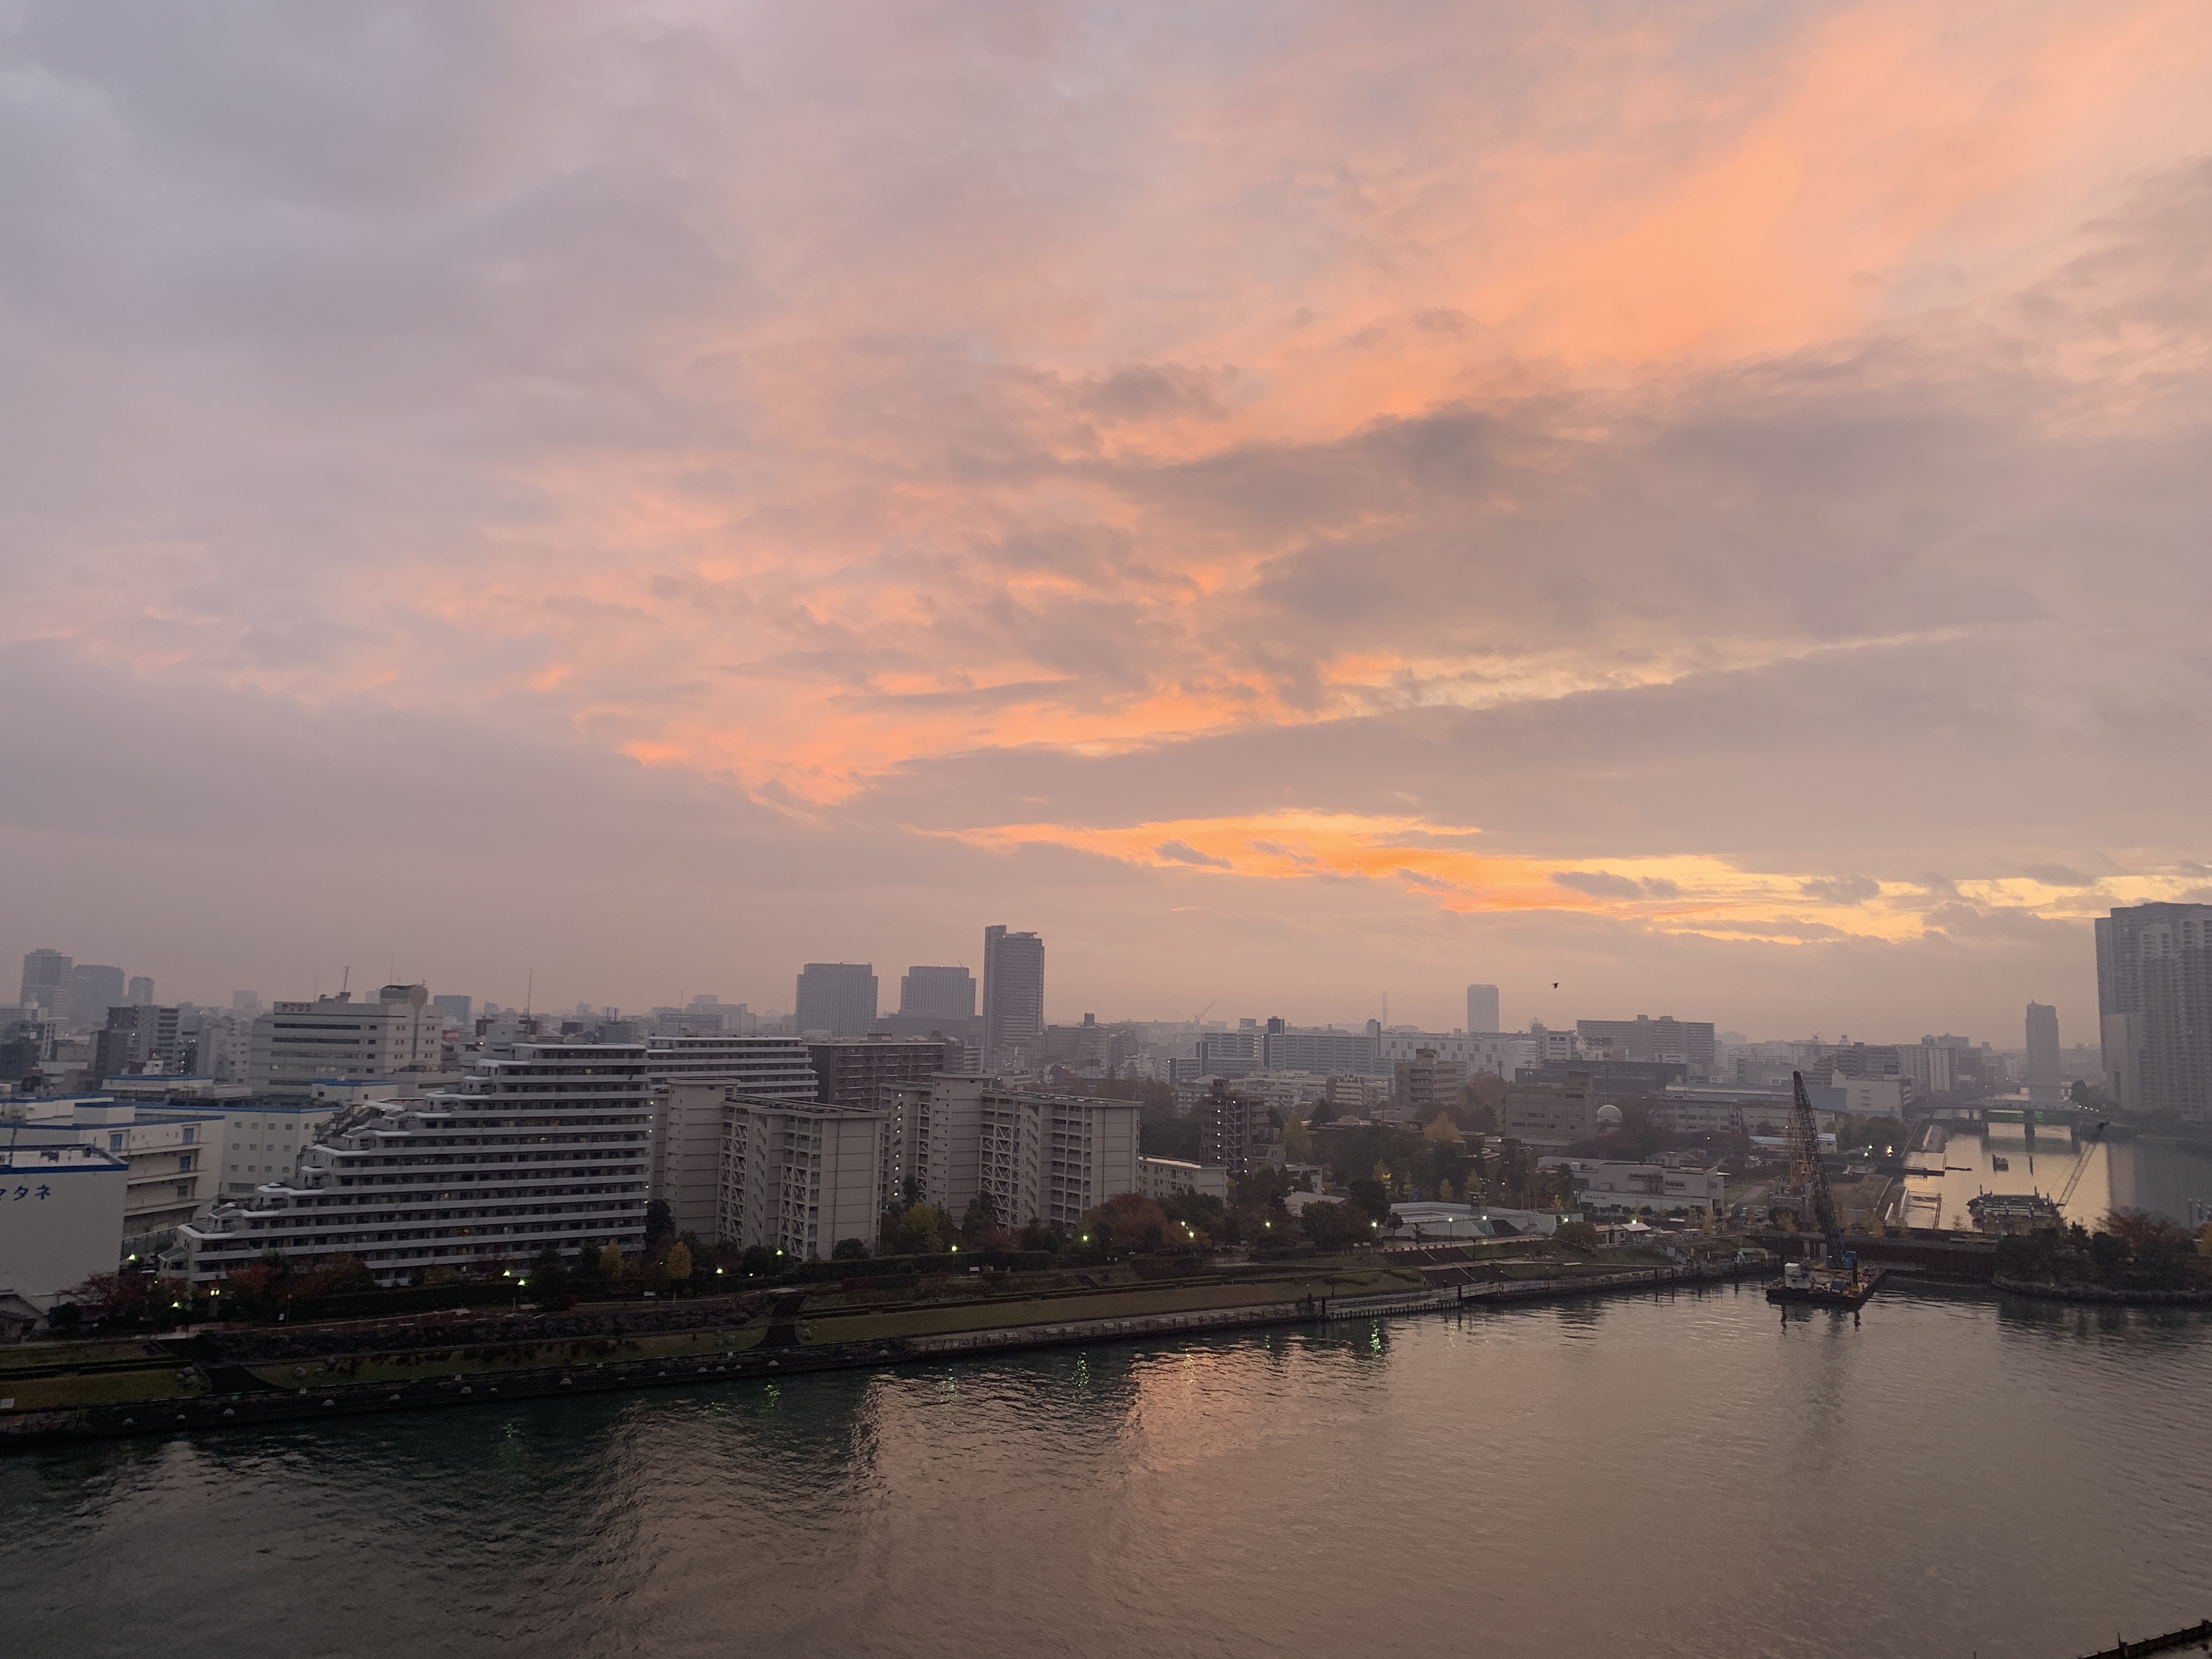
[(39, 1355), (101, 1389), (1128, 1304), (539, 1356)]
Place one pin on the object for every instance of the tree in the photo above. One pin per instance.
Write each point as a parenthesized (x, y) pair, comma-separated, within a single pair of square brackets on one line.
[(1442, 1128), (759, 1259), (1042, 1236), (1297, 1144), (589, 1266), (678, 1261), (849, 1250), (981, 1217), (659, 1223), (1369, 1196), (1322, 1113), (1127, 1221), (548, 1279), (611, 1265), (919, 1230), (1335, 1226), (1576, 1235)]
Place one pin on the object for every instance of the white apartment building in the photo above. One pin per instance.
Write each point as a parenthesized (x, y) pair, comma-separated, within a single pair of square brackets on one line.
[(1167, 1177), (801, 1178), (1471, 1051), (1603, 1187), (1040, 1156), (167, 1155), (765, 1067), (399, 1034), (60, 1212), (550, 1146)]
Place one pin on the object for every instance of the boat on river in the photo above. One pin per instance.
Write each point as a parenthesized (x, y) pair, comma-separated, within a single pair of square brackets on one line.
[(1818, 1286)]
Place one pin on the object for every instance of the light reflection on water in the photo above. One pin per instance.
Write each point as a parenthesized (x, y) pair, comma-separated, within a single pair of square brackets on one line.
[(1681, 1475), (2165, 1178)]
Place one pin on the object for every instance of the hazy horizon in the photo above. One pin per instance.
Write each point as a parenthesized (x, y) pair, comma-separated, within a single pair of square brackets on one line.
[(1704, 505)]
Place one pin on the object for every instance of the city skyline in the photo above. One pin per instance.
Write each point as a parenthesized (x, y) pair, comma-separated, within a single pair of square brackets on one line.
[(1698, 507)]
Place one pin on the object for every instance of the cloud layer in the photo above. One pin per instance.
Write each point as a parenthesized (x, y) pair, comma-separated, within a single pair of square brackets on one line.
[(1724, 475)]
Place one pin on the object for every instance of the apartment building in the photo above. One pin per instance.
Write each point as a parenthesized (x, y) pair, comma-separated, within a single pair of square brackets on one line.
[(1040, 1157), (801, 1178), (549, 1146)]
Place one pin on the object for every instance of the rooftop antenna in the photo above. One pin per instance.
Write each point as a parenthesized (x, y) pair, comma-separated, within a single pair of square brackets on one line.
[(529, 991), (345, 979)]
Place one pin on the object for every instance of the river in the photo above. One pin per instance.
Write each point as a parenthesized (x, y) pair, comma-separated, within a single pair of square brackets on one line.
[(1668, 1474)]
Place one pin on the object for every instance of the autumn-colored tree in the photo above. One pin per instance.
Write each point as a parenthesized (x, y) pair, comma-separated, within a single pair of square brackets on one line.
[(677, 1261), (1442, 1128), (1127, 1221), (611, 1265), (1297, 1141), (919, 1230)]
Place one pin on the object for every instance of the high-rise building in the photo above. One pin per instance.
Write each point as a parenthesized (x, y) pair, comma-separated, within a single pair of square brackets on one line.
[(457, 1011), (45, 982), (92, 990), (2155, 1006), (946, 993), (547, 1147), (1237, 1131), (1423, 1086), (139, 993), (298, 1043), (1482, 1008), (1013, 990), (837, 999), (2042, 1046)]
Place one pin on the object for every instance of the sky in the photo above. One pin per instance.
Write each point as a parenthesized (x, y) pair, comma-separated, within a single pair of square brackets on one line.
[(1700, 506)]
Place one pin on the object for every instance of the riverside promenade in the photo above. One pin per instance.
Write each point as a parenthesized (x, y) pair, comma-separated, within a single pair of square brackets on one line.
[(221, 1406)]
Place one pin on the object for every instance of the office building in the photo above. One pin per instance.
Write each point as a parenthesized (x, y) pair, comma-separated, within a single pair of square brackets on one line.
[(549, 1146), (61, 1213), (459, 1012), (1040, 1157), (1689, 1041), (801, 1178), (1287, 1048), (45, 982), (938, 993), (138, 1037), (398, 1035), (92, 990), (835, 998), (169, 1154), (1482, 1009), (1013, 992), (2154, 1005), (1551, 1116), (1499, 1055), (2043, 1073)]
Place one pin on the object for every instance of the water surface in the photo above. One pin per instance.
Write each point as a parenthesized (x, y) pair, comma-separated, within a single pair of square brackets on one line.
[(1685, 1474)]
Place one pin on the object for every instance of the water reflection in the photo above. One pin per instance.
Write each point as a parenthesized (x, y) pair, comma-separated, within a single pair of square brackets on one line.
[(2015, 1477), (2165, 1177)]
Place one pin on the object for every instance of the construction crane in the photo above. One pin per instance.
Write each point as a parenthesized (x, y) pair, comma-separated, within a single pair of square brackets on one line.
[(1809, 1177), (2080, 1163)]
